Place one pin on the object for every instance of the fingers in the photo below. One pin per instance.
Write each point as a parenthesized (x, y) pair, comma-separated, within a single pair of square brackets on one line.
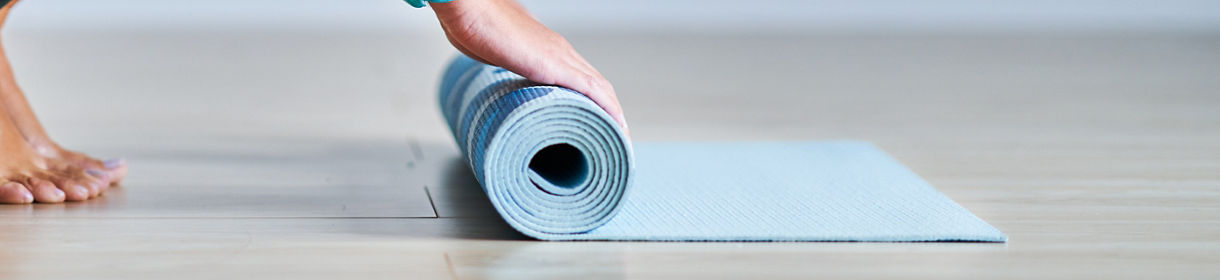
[(579, 76), (504, 34), (574, 73)]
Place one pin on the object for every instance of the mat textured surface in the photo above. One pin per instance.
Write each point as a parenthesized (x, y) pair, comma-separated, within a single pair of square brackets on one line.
[(556, 167)]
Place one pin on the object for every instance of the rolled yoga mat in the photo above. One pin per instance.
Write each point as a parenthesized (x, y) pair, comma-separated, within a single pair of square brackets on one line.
[(557, 167)]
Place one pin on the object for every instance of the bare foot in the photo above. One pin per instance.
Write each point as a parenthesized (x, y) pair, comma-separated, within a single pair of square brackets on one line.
[(32, 167), (13, 101), (26, 176), (111, 170)]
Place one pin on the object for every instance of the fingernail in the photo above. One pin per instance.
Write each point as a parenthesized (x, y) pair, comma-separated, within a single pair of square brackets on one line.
[(96, 173), (113, 163)]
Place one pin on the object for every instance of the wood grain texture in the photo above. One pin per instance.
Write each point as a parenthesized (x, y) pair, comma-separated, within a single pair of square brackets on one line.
[(1098, 154)]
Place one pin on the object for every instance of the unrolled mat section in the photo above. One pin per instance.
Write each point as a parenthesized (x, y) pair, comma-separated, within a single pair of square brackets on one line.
[(557, 167)]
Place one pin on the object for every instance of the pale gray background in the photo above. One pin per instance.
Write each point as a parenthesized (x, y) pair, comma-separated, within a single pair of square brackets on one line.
[(325, 66), (687, 15)]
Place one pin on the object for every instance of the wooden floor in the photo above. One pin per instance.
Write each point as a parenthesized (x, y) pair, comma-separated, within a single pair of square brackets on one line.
[(321, 155)]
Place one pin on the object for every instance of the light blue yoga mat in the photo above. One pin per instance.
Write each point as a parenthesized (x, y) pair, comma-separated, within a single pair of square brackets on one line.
[(557, 167)]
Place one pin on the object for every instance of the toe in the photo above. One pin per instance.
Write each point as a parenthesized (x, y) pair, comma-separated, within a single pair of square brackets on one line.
[(98, 179), (45, 192), (15, 193), (104, 180), (98, 174), (73, 191), (93, 185), (116, 168), (102, 183)]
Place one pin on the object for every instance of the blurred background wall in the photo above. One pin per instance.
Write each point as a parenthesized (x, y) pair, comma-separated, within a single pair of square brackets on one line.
[(682, 15), (368, 68)]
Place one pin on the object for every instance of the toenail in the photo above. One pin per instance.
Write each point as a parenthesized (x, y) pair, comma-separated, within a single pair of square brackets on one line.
[(96, 173), (82, 190), (113, 163), (26, 197)]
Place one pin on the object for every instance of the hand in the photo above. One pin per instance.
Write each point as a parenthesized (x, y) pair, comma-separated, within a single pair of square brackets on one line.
[(503, 33)]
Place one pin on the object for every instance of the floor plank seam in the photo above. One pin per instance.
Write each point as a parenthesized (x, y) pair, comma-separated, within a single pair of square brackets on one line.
[(427, 192), (449, 264)]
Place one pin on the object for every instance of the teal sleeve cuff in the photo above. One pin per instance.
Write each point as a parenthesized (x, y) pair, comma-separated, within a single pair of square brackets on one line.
[(420, 3)]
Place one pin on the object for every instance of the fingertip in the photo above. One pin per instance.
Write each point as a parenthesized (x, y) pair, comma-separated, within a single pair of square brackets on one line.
[(623, 123), (604, 97)]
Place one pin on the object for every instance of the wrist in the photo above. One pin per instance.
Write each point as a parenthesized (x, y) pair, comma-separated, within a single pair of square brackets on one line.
[(453, 7), (455, 11), (422, 3)]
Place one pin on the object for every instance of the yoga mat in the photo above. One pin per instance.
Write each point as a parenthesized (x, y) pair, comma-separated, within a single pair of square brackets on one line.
[(556, 167)]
